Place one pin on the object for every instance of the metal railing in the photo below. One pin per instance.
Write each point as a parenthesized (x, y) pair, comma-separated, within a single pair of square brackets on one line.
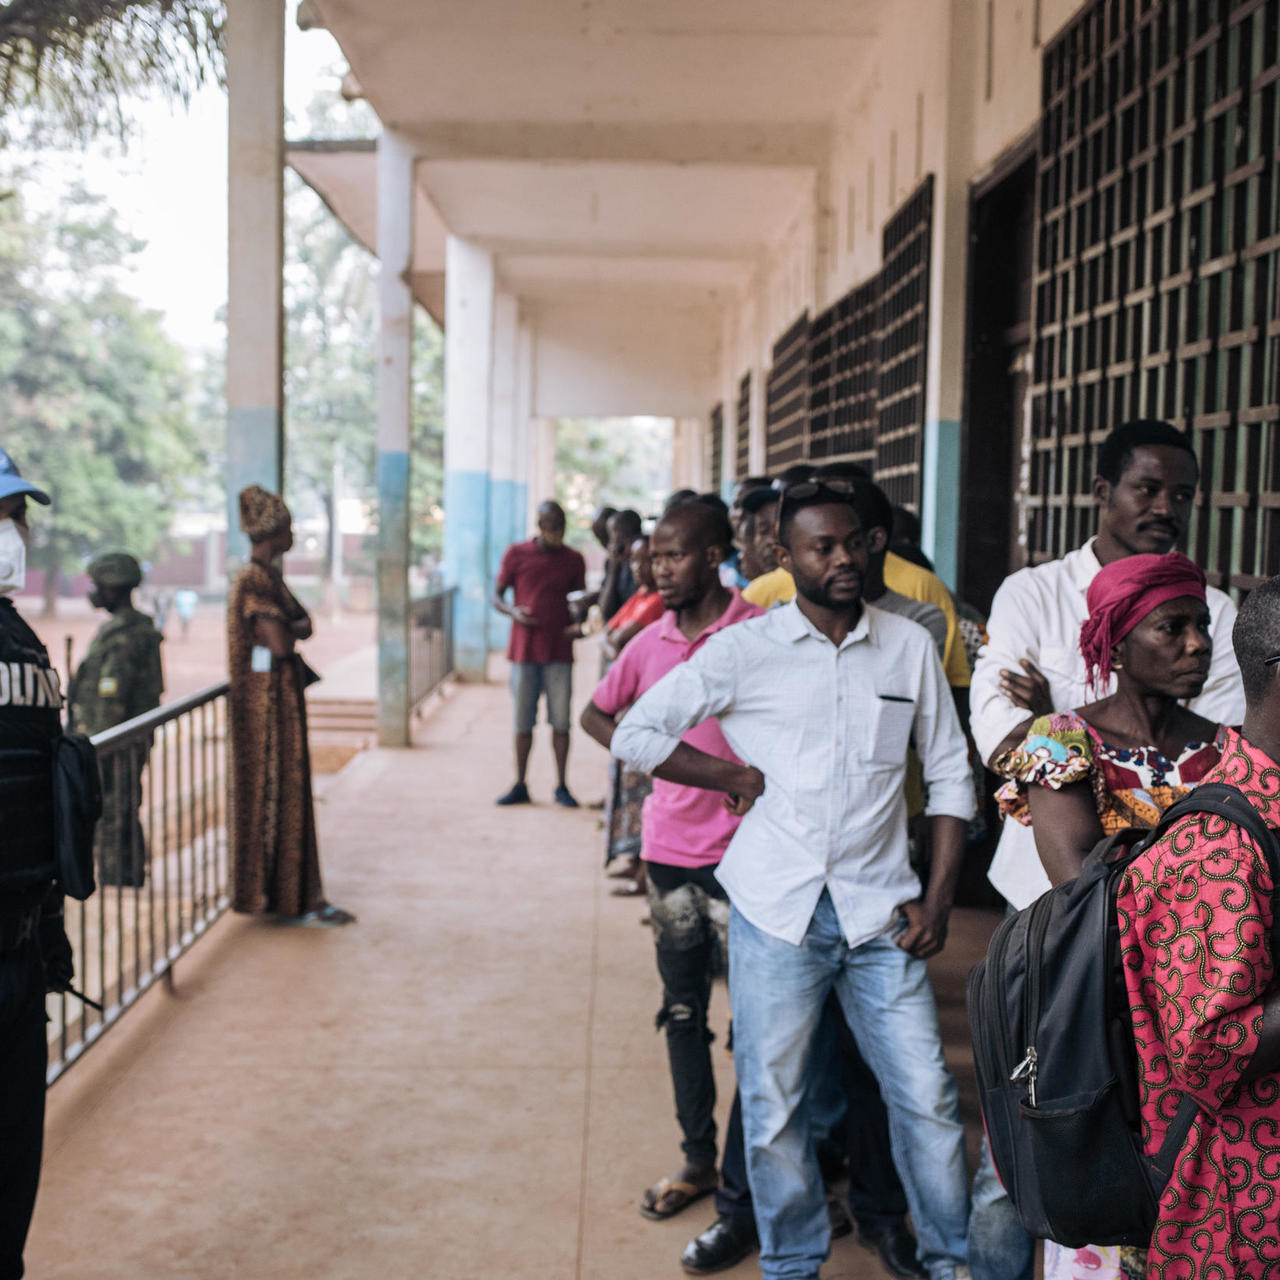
[(162, 863), (430, 642)]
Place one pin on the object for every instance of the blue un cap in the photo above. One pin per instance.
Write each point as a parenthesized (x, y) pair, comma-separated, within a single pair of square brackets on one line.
[(11, 481)]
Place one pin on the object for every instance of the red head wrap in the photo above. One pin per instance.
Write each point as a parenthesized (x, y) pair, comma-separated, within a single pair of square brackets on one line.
[(1122, 595)]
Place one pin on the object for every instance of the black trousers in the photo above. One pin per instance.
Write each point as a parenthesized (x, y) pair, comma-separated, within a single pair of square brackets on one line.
[(689, 912), (23, 1061), (876, 1197)]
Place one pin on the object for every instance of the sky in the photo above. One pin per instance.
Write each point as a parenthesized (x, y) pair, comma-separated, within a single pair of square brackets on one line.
[(170, 189)]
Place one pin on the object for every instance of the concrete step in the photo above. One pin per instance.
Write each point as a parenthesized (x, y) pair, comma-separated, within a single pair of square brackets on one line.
[(356, 714), (332, 749)]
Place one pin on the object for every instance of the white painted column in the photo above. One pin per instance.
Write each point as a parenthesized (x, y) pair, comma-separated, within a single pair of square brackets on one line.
[(468, 364), (542, 471), (255, 252), (395, 421), (949, 257), (523, 506), (503, 519), (729, 400), (689, 454)]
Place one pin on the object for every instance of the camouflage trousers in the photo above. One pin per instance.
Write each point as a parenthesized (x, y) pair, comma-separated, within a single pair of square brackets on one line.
[(122, 846)]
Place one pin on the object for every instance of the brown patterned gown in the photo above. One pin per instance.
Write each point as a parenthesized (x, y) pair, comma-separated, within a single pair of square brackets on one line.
[(275, 858)]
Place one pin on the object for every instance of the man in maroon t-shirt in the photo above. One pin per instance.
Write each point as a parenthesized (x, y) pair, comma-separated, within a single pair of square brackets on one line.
[(541, 573)]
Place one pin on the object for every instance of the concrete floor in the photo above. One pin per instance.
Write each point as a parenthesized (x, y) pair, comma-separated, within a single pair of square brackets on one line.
[(466, 1083)]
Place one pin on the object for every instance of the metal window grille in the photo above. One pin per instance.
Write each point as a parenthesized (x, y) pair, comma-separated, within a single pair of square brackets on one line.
[(742, 443), (717, 447), (786, 398), (844, 379), (1157, 285), (903, 356)]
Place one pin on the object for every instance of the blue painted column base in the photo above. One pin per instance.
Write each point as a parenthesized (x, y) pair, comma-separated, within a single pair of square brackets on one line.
[(255, 455), (467, 566), (393, 599)]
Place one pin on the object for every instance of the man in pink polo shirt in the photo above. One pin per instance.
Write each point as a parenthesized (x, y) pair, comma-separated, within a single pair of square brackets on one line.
[(685, 831)]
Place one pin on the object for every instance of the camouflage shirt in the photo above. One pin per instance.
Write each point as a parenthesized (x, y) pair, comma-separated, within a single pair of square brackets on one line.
[(120, 676)]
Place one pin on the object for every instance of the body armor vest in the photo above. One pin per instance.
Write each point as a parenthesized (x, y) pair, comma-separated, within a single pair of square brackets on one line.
[(30, 721)]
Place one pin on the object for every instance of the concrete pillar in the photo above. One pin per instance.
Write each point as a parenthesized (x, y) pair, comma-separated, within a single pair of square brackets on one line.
[(757, 450), (395, 420), (940, 480), (542, 467), (468, 373), (255, 251), (689, 454), (523, 430), (505, 517)]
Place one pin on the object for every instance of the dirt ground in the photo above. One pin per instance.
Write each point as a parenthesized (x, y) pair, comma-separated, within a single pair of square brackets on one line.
[(194, 660)]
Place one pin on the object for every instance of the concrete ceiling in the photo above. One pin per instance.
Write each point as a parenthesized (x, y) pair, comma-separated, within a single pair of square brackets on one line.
[(608, 152), (422, 62)]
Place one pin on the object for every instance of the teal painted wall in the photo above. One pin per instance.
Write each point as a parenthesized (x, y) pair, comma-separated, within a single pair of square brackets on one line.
[(941, 492)]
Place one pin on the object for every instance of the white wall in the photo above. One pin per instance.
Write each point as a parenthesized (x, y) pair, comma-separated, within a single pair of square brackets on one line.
[(592, 359)]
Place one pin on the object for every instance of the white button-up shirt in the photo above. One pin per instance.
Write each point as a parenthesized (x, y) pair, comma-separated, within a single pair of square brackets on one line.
[(1037, 614), (829, 728)]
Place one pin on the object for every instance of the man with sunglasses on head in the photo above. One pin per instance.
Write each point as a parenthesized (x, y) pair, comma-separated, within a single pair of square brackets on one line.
[(821, 698), (900, 576)]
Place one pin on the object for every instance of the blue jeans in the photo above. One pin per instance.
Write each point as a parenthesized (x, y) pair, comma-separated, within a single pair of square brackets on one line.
[(999, 1247), (777, 991)]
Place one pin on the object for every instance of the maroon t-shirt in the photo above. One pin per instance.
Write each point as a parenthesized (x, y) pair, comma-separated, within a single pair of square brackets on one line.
[(542, 577)]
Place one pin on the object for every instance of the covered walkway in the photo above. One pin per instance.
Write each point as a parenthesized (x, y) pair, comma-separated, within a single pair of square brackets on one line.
[(467, 1083)]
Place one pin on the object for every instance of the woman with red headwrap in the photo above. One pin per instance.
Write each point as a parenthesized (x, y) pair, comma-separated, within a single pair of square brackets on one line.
[(1122, 760)]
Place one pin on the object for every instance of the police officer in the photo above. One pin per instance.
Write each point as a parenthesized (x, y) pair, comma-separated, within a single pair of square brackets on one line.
[(119, 678), (35, 955)]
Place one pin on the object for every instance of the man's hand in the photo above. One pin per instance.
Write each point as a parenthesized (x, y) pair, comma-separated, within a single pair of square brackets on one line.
[(1029, 691), (521, 616), (745, 793), (926, 932), (55, 948)]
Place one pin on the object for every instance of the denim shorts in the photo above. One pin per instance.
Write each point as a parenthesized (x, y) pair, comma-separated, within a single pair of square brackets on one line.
[(529, 681)]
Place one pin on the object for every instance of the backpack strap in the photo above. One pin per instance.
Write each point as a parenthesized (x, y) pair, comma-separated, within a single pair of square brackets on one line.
[(1231, 803)]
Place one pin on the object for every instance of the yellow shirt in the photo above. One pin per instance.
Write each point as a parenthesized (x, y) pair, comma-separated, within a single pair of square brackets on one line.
[(900, 575)]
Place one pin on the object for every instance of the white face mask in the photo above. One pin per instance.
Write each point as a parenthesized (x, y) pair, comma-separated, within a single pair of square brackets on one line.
[(13, 558)]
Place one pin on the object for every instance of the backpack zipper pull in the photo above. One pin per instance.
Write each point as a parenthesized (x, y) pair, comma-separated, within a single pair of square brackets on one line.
[(1026, 1070)]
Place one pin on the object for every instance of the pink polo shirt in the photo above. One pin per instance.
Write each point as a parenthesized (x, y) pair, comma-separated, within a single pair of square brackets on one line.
[(683, 826)]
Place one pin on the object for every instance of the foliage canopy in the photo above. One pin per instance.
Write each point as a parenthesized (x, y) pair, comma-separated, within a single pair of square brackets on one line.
[(68, 67)]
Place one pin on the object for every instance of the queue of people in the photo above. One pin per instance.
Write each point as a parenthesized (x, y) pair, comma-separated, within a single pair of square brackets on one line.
[(808, 719)]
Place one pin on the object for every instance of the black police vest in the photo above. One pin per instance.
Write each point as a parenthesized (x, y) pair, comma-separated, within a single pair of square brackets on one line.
[(30, 721)]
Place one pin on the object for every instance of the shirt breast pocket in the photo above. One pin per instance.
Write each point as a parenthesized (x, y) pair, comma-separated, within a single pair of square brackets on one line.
[(892, 718)]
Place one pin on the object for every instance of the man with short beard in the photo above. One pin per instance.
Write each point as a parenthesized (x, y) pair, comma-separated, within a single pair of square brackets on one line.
[(821, 697)]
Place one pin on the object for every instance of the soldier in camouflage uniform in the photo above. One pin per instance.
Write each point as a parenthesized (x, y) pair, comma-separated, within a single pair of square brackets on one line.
[(119, 678)]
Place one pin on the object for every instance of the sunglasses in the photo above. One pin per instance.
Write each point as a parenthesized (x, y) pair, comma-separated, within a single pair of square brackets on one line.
[(1271, 661), (837, 490)]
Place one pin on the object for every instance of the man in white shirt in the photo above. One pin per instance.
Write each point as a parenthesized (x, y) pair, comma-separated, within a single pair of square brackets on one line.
[(1147, 476), (822, 697), (1032, 665)]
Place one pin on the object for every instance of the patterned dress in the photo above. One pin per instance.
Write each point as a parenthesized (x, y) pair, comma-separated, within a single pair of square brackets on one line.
[(1195, 915), (1131, 787), (275, 859)]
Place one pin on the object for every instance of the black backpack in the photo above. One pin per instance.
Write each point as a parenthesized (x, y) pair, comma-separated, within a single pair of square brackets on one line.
[(77, 806), (1054, 1051)]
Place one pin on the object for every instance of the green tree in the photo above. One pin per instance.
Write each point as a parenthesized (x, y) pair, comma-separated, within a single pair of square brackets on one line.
[(619, 462), (93, 394), (69, 67)]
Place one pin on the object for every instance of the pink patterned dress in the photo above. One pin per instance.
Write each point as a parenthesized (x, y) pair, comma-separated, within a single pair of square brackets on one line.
[(1195, 916)]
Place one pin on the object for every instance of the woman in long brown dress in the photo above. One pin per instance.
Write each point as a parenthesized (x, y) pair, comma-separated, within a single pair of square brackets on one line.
[(275, 858)]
